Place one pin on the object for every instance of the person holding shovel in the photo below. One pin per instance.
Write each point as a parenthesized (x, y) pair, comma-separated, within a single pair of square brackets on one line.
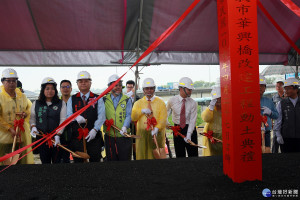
[(14, 105), (287, 126), (86, 134), (118, 112), (150, 112), (213, 128), (184, 114), (46, 114), (267, 109)]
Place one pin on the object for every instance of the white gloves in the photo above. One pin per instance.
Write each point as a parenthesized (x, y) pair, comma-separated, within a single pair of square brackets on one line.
[(129, 94), (123, 130), (262, 129), (92, 135), (266, 110), (33, 131), (279, 137), (212, 104), (154, 131), (280, 140), (146, 111), (80, 119), (57, 140), (188, 137)]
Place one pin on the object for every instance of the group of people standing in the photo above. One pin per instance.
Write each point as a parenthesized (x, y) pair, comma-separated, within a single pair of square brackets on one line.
[(109, 122), (103, 125)]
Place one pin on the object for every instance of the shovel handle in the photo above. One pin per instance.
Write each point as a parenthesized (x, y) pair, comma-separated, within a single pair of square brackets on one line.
[(65, 148), (126, 134)]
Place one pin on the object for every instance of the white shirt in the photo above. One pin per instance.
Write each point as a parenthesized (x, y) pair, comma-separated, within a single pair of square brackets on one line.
[(63, 114), (174, 107)]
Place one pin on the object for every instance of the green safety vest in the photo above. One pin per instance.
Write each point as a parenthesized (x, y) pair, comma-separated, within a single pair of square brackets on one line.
[(118, 114)]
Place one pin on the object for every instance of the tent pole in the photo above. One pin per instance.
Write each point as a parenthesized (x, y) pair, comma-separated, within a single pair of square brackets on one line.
[(138, 48), (297, 66)]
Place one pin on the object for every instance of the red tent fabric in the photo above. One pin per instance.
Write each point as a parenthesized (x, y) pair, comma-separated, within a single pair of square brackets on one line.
[(91, 32)]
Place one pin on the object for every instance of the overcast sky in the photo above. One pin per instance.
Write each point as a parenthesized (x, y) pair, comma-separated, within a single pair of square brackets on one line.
[(31, 77)]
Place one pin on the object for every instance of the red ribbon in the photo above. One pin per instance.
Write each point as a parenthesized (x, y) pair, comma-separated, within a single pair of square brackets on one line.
[(83, 132), (175, 130), (292, 6), (108, 124), (19, 124), (151, 122), (48, 139), (264, 119), (154, 45), (209, 135), (277, 26)]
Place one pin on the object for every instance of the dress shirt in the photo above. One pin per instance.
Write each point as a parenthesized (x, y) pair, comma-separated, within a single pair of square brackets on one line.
[(101, 111), (116, 100), (174, 107)]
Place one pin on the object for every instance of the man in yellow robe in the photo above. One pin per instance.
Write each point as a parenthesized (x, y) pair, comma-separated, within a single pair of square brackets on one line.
[(149, 104), (213, 118), (13, 101)]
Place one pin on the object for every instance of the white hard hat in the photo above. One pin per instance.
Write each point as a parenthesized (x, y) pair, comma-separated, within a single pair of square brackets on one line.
[(216, 92), (113, 78), (48, 80), (262, 80), (186, 82), (9, 73), (148, 82), (291, 81), (83, 75)]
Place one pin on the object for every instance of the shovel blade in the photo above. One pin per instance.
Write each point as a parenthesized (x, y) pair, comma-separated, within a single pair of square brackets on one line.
[(15, 159), (81, 155), (159, 153), (7, 161)]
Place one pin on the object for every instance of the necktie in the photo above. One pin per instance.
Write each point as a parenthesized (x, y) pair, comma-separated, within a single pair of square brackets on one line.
[(83, 99), (182, 114)]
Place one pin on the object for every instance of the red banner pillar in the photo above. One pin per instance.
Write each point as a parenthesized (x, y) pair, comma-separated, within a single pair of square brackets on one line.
[(239, 71)]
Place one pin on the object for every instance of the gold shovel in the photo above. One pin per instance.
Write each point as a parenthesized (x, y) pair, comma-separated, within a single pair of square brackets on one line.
[(76, 154), (189, 141), (14, 159), (126, 134), (158, 153)]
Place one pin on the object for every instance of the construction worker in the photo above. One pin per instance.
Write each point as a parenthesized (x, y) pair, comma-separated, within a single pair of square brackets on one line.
[(92, 119), (276, 98), (149, 105), (287, 126), (117, 108), (184, 114), (13, 105), (213, 117), (46, 114), (267, 109)]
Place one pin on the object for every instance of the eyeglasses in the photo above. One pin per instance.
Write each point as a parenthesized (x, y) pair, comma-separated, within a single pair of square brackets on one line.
[(63, 87), (130, 87), (11, 81)]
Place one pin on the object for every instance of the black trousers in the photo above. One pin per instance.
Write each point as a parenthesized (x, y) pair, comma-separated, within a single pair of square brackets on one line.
[(275, 145), (118, 148), (50, 155), (290, 145), (181, 146), (93, 148)]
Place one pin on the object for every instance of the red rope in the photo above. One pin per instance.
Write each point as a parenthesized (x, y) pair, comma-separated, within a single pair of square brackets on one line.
[(277, 26), (292, 6), (158, 41), (209, 135)]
